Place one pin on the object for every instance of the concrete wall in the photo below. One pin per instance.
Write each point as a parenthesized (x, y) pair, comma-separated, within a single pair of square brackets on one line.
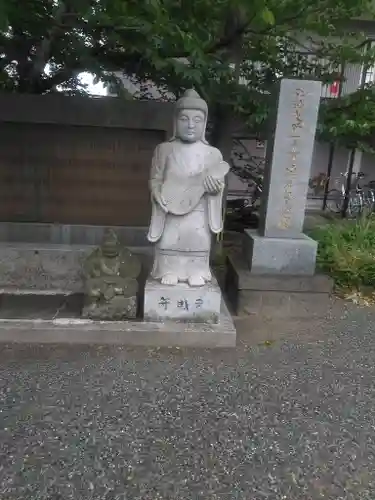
[(146, 90), (368, 166)]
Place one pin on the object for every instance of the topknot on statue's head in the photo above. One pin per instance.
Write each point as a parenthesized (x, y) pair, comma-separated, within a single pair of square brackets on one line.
[(191, 100), (110, 243)]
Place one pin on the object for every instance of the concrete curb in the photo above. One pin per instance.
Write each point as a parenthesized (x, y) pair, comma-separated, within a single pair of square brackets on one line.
[(135, 333)]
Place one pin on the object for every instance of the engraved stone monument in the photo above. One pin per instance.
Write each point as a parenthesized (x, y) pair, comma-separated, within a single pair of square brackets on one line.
[(187, 185), (279, 245), (111, 286)]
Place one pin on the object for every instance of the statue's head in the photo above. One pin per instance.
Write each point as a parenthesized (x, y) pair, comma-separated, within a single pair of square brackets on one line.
[(110, 245), (190, 118)]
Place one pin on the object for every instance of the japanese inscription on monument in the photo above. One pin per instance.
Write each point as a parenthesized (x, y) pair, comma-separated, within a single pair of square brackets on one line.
[(164, 302), (182, 303), (289, 158), (291, 170)]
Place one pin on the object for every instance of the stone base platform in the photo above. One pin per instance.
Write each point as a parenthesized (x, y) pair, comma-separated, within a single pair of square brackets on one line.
[(64, 330), (288, 256), (275, 295), (182, 302)]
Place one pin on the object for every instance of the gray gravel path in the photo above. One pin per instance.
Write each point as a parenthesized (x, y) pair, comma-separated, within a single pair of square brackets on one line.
[(290, 420)]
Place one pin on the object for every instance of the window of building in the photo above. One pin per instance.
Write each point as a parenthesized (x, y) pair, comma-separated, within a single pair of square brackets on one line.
[(370, 70)]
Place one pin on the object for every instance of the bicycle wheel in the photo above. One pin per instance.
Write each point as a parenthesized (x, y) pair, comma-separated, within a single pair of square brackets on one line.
[(369, 198), (355, 205), (334, 201)]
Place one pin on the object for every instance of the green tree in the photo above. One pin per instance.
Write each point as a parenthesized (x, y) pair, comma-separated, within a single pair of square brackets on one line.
[(232, 51), (350, 121), (236, 59)]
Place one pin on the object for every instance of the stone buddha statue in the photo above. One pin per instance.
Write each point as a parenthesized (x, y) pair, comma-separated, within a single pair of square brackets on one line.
[(111, 285), (187, 184)]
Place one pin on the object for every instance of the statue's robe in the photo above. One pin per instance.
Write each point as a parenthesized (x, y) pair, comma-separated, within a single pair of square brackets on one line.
[(183, 233)]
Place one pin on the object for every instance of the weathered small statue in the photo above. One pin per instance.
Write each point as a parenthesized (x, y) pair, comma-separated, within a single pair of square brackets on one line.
[(111, 285), (187, 184)]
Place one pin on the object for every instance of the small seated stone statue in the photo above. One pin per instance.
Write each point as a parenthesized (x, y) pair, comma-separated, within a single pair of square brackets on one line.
[(111, 286)]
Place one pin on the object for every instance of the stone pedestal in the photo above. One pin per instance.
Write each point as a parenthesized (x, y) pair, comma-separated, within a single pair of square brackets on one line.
[(289, 256), (276, 295), (182, 303)]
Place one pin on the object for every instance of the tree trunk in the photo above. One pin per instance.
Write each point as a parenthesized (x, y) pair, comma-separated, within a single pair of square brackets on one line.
[(222, 136), (222, 130), (43, 51)]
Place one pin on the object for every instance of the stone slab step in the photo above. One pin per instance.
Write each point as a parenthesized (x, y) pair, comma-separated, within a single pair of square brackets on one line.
[(72, 330)]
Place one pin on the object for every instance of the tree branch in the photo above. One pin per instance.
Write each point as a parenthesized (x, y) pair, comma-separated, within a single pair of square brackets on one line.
[(43, 85), (43, 51)]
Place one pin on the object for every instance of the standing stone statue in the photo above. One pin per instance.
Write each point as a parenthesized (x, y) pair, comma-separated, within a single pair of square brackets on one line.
[(111, 285), (187, 184)]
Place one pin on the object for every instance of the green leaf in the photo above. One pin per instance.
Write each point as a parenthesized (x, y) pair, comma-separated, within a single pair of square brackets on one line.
[(268, 16), (160, 64)]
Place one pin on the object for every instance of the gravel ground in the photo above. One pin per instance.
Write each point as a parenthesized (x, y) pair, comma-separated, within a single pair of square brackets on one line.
[(287, 419)]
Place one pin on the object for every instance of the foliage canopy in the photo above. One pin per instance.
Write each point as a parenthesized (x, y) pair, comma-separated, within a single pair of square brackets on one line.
[(232, 51)]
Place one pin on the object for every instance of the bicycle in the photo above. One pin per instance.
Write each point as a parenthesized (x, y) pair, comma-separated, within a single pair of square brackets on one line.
[(242, 211), (359, 197), (318, 184), (371, 195)]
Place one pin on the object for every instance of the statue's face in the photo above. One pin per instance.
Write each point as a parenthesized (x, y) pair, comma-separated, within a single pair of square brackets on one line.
[(190, 125), (110, 250)]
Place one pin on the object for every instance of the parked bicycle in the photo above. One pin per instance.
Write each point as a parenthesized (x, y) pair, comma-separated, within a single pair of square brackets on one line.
[(318, 184), (242, 211), (361, 197)]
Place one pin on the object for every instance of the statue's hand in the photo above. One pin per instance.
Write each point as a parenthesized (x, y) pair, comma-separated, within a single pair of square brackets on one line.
[(109, 293), (160, 200), (212, 185)]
